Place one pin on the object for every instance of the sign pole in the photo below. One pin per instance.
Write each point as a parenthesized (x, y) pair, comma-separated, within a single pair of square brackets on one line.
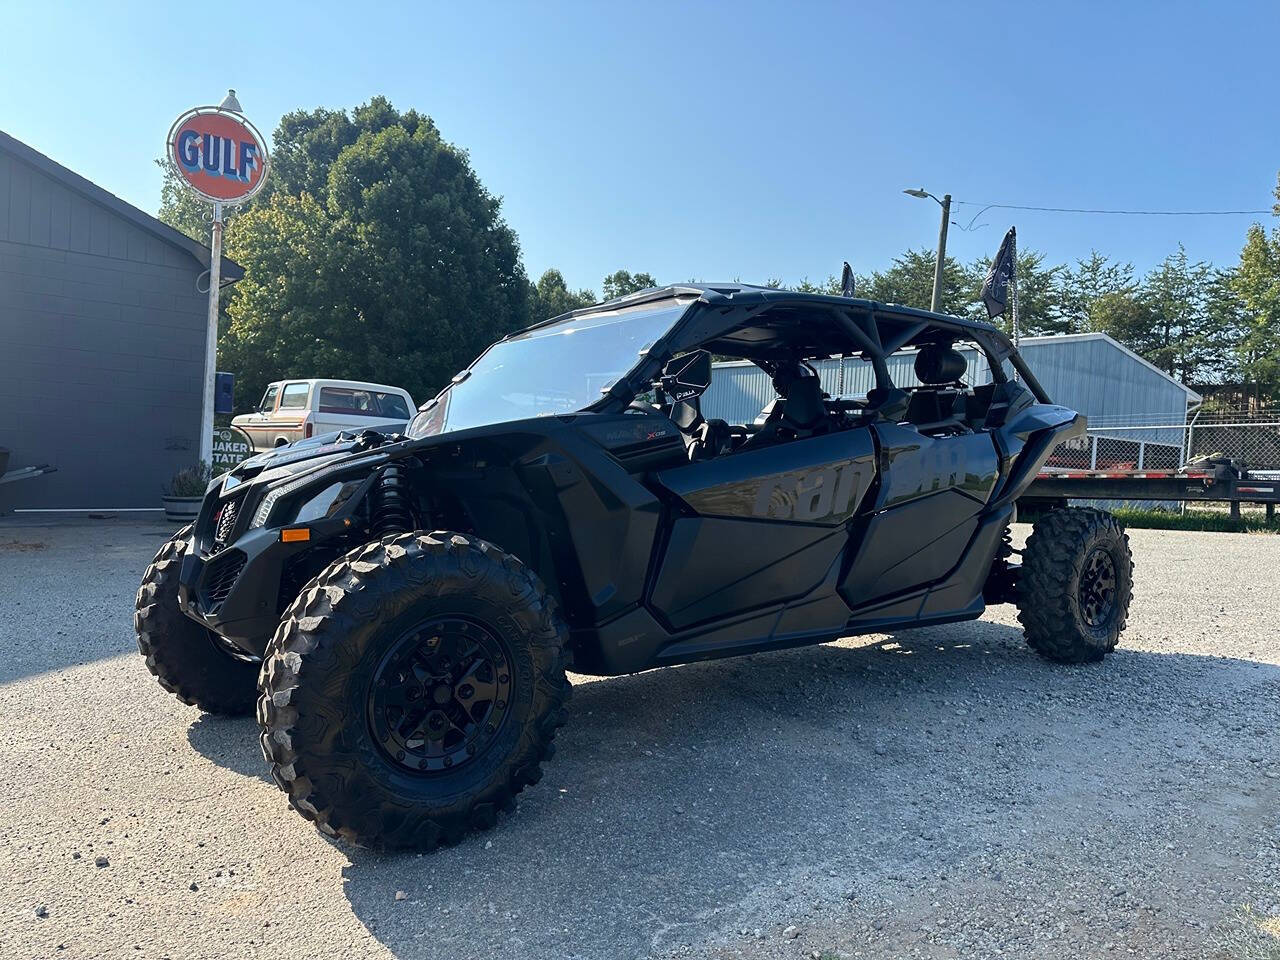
[(211, 341), (222, 158)]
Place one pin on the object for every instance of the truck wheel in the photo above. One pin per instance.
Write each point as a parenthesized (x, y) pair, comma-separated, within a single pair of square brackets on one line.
[(413, 689), (1075, 585), (185, 657)]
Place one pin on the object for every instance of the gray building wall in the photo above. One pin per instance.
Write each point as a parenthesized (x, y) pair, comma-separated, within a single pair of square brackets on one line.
[(101, 348)]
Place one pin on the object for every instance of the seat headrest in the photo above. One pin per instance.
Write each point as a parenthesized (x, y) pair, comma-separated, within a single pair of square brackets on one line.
[(940, 363), (804, 406)]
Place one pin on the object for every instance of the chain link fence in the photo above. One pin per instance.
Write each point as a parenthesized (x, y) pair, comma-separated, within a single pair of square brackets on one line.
[(1137, 447)]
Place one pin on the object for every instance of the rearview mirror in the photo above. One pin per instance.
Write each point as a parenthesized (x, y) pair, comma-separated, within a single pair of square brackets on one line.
[(686, 378)]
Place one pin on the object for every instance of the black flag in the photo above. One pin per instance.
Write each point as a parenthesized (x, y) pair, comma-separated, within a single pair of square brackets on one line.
[(846, 280), (995, 289)]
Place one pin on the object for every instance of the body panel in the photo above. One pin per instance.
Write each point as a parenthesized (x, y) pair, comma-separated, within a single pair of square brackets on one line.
[(860, 521)]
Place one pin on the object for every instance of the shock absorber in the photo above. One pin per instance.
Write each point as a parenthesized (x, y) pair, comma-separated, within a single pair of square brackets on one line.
[(389, 500)]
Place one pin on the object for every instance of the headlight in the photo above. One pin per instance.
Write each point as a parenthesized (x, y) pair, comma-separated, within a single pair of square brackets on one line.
[(263, 513), (317, 505)]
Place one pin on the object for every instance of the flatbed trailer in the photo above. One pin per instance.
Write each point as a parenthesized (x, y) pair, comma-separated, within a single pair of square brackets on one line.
[(1219, 484)]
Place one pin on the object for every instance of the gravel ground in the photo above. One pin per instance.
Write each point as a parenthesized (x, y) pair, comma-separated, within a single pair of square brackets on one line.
[(935, 793)]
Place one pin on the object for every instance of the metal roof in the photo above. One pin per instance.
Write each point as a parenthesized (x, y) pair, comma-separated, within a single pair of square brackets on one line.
[(1076, 337), (72, 180)]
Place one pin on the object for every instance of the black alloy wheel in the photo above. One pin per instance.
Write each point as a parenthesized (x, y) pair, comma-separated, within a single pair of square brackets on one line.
[(1098, 587), (441, 694)]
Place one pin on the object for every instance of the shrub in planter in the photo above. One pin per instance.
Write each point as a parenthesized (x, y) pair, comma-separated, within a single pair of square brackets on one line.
[(185, 492)]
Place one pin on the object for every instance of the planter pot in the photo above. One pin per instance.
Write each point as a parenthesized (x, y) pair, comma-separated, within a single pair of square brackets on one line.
[(181, 508)]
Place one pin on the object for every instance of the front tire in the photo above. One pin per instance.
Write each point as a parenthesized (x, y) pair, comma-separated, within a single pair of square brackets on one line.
[(185, 657), (1075, 585), (413, 689)]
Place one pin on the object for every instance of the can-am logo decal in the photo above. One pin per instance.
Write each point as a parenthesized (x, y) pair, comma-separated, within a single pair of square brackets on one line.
[(815, 495)]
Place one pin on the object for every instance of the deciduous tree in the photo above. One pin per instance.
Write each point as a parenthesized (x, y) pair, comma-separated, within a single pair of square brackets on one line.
[(396, 267), (621, 282)]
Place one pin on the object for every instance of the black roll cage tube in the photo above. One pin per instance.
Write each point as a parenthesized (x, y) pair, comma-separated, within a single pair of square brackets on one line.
[(714, 314)]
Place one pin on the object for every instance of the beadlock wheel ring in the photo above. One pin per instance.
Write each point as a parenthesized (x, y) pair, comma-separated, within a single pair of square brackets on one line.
[(440, 695)]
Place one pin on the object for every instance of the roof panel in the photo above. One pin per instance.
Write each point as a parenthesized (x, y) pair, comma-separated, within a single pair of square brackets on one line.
[(33, 160)]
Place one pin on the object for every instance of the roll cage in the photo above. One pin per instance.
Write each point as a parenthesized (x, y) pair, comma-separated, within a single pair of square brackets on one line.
[(775, 327)]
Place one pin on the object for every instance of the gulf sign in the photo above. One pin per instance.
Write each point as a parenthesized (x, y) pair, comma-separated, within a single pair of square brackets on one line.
[(219, 154)]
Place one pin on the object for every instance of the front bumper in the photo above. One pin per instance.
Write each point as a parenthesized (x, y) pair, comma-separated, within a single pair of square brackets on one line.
[(235, 592)]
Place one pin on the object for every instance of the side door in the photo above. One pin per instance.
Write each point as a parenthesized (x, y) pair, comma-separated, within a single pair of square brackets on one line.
[(257, 425), (760, 528), (291, 413), (926, 510)]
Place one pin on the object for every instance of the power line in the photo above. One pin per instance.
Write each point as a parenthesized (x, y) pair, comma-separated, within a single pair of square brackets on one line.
[(1126, 213)]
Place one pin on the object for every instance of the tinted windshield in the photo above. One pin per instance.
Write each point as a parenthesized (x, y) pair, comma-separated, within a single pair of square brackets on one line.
[(558, 368)]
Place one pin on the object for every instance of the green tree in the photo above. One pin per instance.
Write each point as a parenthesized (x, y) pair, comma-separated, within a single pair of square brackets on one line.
[(1081, 289), (1256, 282), (622, 282), (182, 209), (551, 296), (909, 281), (1180, 340), (1126, 316), (830, 287), (307, 143), (398, 269), (1037, 295)]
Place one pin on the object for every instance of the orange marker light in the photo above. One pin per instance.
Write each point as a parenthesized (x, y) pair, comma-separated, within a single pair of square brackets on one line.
[(298, 535)]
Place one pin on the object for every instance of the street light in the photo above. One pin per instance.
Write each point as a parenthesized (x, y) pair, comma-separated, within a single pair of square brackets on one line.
[(945, 203)]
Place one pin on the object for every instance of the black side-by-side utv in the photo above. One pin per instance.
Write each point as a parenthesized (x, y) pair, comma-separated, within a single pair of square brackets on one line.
[(403, 609)]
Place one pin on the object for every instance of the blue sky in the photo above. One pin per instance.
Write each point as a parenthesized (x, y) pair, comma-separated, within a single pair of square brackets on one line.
[(717, 140)]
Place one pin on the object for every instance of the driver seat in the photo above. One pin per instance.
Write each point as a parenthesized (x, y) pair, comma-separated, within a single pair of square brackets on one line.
[(801, 413), (709, 439), (804, 413)]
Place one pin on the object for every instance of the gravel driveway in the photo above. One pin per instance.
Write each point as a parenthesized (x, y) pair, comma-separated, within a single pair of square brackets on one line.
[(935, 793)]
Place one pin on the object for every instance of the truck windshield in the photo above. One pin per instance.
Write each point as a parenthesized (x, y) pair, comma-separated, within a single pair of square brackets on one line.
[(559, 368)]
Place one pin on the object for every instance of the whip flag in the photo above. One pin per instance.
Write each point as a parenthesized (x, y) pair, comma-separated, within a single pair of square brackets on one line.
[(846, 280), (995, 289)]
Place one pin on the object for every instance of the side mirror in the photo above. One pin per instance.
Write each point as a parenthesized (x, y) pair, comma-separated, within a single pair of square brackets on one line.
[(686, 378)]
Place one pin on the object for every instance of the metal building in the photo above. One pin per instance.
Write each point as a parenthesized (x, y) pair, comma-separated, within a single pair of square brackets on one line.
[(102, 339), (1127, 400)]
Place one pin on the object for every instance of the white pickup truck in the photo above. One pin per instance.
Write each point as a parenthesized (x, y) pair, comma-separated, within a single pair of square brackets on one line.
[(297, 409)]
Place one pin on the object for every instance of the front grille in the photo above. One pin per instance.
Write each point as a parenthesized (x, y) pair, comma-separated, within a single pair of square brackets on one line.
[(224, 522), (220, 576)]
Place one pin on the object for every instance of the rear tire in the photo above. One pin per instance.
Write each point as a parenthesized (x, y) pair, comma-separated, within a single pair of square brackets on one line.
[(413, 689), (185, 657), (1075, 585)]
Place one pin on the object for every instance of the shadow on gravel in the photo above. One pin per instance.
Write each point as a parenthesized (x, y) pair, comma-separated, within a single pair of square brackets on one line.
[(231, 743), (683, 800)]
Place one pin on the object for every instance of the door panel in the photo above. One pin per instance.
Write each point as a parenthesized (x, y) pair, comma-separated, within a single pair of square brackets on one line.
[(714, 568), (770, 524), (909, 545), (821, 480), (931, 494), (916, 465)]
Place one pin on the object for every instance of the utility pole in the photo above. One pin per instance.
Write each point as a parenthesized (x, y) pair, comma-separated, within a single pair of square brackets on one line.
[(936, 300)]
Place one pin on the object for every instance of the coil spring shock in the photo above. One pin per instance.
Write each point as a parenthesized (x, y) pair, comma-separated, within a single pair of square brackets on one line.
[(391, 513)]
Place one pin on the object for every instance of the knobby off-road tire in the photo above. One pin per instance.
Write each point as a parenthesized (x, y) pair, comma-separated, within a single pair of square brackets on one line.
[(1075, 585), (185, 657), (365, 626)]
